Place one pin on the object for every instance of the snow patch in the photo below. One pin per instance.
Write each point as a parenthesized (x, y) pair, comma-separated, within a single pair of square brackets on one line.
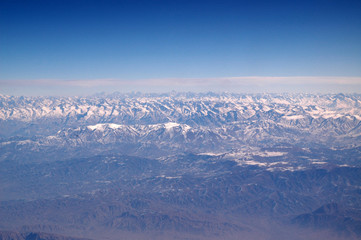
[(270, 154), (115, 126), (209, 154), (294, 117), (255, 163), (102, 126), (278, 163), (167, 177), (171, 125)]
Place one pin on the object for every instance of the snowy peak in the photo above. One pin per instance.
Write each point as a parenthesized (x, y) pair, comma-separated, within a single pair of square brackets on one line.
[(171, 125), (103, 126), (203, 122), (193, 109)]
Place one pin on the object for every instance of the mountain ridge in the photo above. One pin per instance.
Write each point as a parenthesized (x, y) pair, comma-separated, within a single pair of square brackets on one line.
[(182, 166)]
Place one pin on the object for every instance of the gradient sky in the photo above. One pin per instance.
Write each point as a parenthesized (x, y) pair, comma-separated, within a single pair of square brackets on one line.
[(80, 47)]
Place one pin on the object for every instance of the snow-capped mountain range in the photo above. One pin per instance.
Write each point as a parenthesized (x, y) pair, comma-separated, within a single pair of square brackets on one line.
[(192, 109), (182, 163), (190, 122), (162, 125)]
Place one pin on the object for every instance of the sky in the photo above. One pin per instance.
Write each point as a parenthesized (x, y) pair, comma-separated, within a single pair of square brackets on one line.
[(80, 47)]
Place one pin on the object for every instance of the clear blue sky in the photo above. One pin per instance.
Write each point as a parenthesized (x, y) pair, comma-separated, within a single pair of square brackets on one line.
[(132, 41)]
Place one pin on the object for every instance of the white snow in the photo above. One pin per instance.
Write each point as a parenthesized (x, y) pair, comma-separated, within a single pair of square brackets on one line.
[(95, 127), (270, 154), (168, 177), (102, 126), (210, 154), (171, 125), (294, 117), (251, 162), (278, 163), (115, 126)]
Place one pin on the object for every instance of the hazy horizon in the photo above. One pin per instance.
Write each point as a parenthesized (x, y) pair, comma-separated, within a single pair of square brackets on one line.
[(250, 85)]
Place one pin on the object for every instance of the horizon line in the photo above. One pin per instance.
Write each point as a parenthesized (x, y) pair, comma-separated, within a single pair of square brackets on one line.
[(236, 84)]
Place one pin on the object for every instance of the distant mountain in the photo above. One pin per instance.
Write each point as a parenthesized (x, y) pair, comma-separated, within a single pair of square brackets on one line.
[(181, 166), (26, 116), (333, 216), (163, 125)]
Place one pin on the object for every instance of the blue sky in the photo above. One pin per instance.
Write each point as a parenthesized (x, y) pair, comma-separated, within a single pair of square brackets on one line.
[(57, 47)]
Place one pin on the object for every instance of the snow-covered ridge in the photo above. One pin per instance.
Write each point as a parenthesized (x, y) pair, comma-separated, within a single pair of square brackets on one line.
[(102, 126), (168, 126), (179, 108), (213, 121)]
